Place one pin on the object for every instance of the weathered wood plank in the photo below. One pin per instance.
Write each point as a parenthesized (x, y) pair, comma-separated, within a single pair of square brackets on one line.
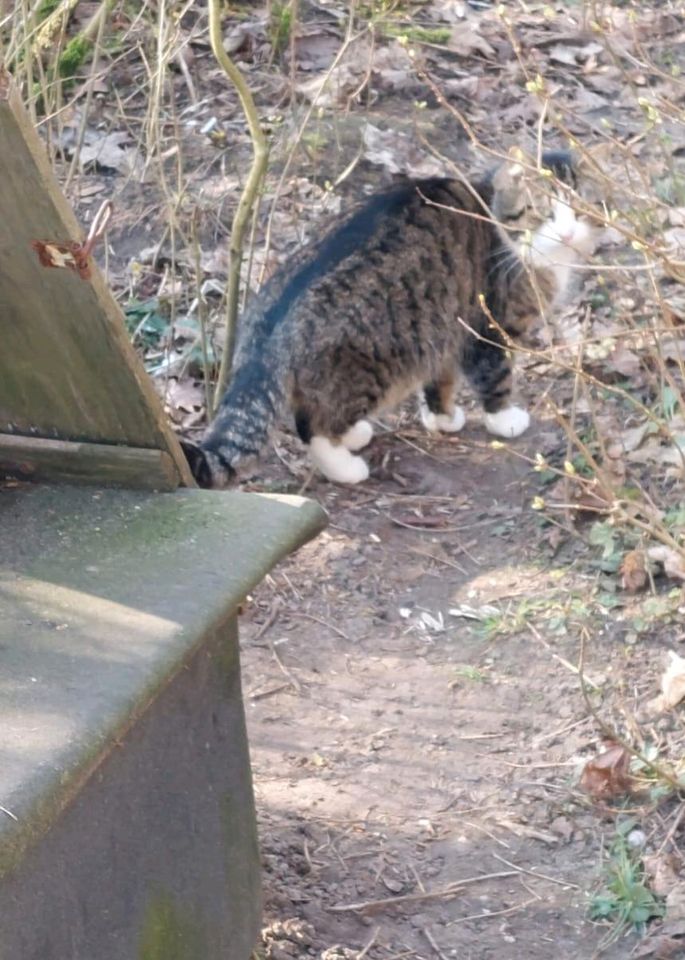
[(108, 466), (67, 369)]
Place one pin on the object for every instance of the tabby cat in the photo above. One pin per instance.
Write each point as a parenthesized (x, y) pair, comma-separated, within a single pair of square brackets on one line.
[(391, 302)]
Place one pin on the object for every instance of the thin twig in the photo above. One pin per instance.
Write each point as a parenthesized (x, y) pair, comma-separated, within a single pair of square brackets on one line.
[(562, 660), (431, 556), (324, 623), (534, 873), (415, 526), (494, 913), (262, 695), (374, 936), (270, 620), (672, 829), (284, 670), (431, 939), (451, 890)]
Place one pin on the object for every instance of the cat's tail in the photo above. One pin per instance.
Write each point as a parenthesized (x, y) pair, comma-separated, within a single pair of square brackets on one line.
[(241, 427)]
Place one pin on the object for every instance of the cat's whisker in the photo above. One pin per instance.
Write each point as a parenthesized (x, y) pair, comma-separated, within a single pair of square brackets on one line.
[(504, 267), (503, 261), (499, 254), (507, 267)]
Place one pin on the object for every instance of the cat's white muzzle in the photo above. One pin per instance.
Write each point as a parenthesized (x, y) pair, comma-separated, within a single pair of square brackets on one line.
[(568, 231)]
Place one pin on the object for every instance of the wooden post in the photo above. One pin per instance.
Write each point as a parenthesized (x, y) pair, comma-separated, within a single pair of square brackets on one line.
[(67, 369)]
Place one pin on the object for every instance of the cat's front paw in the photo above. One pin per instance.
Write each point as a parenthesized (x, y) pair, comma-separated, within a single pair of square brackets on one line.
[(358, 436), (510, 422), (442, 422), (336, 462)]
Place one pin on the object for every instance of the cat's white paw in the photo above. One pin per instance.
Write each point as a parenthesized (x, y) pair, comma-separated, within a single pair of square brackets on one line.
[(358, 436), (510, 422), (441, 422), (336, 462)]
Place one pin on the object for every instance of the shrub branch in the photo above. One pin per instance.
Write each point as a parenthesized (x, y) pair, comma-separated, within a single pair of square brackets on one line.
[(247, 198)]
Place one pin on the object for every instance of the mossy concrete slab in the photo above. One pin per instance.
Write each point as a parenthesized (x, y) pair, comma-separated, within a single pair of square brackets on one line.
[(127, 822)]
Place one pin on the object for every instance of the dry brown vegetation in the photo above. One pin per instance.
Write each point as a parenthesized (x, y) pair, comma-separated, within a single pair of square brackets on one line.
[(548, 572)]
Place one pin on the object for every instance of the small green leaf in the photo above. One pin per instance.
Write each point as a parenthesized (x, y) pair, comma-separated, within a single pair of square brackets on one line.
[(669, 401)]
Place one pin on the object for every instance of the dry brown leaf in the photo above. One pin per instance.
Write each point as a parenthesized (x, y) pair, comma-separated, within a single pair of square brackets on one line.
[(672, 685), (184, 401), (675, 902), (329, 87), (675, 239), (108, 152), (587, 100), (561, 53), (392, 67), (449, 11), (607, 775), (675, 251), (676, 216), (633, 437), (471, 88), (672, 561), (624, 361), (465, 41), (654, 451), (667, 945), (662, 870), (671, 348), (633, 571), (398, 153), (315, 49)]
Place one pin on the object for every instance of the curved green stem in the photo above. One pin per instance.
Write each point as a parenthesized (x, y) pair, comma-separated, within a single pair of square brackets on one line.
[(247, 198)]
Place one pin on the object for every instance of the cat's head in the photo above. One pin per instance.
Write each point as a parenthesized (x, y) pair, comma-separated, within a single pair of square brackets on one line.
[(207, 468), (545, 212)]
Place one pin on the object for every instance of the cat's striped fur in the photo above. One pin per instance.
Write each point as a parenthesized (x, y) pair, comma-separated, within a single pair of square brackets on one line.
[(388, 303)]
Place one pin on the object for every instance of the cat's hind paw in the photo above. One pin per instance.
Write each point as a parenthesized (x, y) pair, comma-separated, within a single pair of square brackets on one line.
[(442, 422), (336, 462), (510, 422)]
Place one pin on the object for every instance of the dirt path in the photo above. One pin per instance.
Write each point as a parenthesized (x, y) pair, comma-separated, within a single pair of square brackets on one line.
[(399, 748)]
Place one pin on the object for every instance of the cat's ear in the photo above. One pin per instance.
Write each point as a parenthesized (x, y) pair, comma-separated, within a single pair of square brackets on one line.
[(510, 173)]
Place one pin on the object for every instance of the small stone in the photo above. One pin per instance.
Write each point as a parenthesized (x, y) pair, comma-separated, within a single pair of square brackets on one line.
[(636, 839), (562, 827)]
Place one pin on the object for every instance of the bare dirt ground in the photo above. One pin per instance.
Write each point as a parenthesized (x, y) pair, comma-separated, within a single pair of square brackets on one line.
[(416, 767), (417, 719)]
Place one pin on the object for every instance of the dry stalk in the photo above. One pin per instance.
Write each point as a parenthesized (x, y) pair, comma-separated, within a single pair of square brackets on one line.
[(97, 23), (451, 890), (247, 197), (431, 939), (609, 733), (494, 913), (535, 873), (350, 38), (201, 310)]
